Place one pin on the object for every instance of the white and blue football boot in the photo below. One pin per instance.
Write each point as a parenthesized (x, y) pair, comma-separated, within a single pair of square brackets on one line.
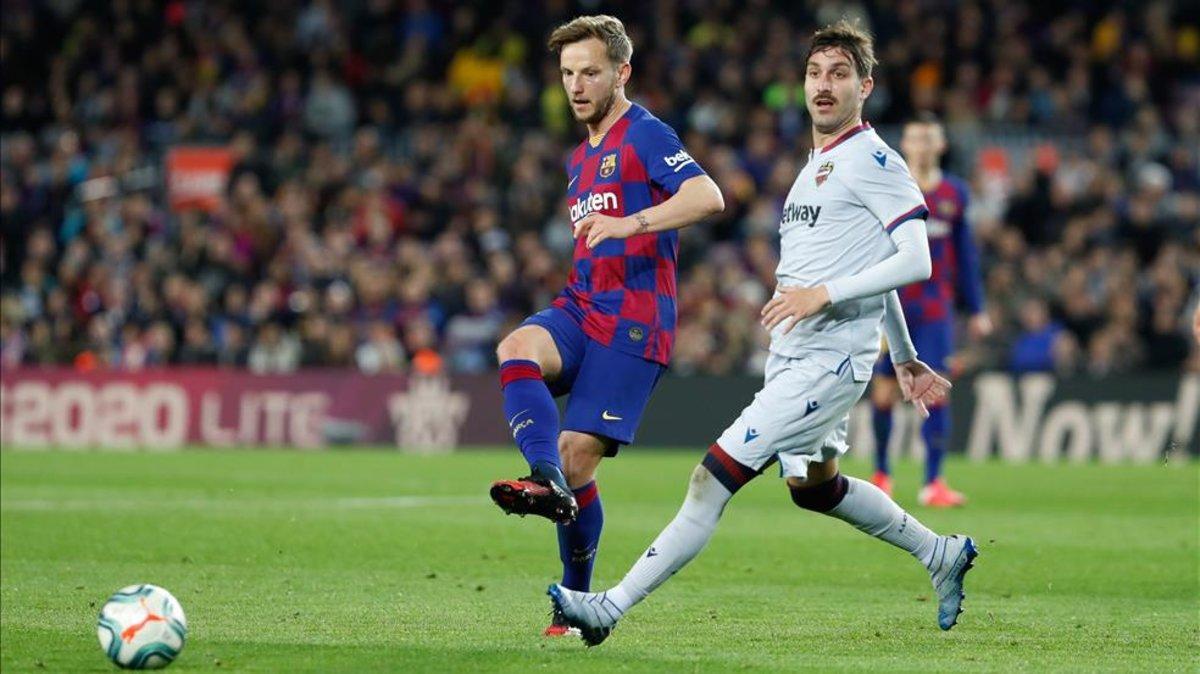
[(953, 557), (593, 613)]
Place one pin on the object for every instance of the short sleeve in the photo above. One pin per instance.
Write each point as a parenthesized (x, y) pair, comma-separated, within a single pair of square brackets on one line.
[(667, 163), (887, 189)]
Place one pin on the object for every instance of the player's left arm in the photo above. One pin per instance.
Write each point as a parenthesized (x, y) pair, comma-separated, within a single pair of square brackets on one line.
[(919, 384), (694, 195), (697, 198), (967, 277)]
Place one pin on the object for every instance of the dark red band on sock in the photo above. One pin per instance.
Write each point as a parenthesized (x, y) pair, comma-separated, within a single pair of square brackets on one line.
[(514, 370), (585, 495), (823, 497), (726, 469)]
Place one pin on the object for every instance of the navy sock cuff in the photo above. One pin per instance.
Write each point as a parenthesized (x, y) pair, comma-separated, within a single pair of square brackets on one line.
[(728, 471), (823, 497)]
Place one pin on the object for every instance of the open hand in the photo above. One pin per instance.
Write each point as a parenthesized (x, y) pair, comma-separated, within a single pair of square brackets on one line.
[(921, 386), (795, 303)]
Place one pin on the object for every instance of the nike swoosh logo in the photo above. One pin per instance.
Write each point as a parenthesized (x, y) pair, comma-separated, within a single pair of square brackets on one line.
[(609, 417), (514, 419)]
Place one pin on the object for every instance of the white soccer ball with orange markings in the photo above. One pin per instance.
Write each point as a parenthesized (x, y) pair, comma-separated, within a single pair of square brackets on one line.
[(142, 627)]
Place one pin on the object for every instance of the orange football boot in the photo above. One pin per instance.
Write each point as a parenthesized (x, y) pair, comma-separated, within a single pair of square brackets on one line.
[(938, 494)]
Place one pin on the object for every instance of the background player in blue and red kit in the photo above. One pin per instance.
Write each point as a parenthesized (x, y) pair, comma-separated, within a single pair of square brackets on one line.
[(607, 338), (929, 306)]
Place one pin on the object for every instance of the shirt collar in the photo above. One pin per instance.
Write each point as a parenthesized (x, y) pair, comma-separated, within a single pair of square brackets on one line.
[(853, 131)]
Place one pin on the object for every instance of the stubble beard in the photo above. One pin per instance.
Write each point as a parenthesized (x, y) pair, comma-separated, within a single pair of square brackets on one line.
[(602, 109), (836, 124)]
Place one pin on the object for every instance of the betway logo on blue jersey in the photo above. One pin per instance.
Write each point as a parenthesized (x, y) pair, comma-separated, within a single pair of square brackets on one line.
[(595, 201), (802, 213)]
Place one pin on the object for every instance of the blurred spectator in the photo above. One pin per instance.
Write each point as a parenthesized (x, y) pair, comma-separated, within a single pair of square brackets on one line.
[(233, 350), (197, 348), (381, 352), (396, 199), (1034, 348), (471, 336), (329, 109), (274, 351)]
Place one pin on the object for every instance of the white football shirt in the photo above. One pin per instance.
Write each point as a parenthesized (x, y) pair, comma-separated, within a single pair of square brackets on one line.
[(836, 222)]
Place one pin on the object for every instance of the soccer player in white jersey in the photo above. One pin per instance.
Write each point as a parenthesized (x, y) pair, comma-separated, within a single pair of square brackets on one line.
[(852, 232)]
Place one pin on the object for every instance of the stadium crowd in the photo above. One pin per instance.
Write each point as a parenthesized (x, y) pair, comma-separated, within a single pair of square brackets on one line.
[(397, 195)]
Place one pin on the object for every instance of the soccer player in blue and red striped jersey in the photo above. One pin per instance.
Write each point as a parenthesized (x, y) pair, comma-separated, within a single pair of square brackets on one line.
[(929, 306), (607, 338)]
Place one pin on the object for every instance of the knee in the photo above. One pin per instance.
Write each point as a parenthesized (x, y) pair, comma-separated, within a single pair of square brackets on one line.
[(699, 481), (579, 459), (513, 347), (883, 394), (706, 498), (578, 473), (821, 497)]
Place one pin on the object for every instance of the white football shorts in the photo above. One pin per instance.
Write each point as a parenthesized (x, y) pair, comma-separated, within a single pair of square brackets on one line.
[(801, 415)]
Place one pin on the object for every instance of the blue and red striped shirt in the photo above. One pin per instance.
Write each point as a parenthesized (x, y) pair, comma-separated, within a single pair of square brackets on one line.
[(622, 292), (956, 275)]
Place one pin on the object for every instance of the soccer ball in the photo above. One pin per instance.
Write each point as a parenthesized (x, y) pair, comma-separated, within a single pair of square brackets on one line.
[(142, 627)]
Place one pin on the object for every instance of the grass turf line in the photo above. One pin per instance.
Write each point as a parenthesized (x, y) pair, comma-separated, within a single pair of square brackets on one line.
[(378, 561)]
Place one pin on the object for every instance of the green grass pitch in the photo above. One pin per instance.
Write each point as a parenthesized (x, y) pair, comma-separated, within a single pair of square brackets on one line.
[(378, 561)]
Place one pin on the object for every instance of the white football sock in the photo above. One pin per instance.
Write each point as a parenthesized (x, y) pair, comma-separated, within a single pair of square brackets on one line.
[(678, 543), (871, 511)]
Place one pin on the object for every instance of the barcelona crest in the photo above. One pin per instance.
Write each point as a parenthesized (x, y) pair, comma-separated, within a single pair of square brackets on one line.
[(608, 165), (823, 172)]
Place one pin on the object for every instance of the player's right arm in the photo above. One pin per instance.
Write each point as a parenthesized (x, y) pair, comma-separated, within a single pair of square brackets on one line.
[(909, 264), (889, 192), (967, 277)]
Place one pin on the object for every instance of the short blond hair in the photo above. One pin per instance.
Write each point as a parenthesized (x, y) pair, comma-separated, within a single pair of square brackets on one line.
[(607, 29)]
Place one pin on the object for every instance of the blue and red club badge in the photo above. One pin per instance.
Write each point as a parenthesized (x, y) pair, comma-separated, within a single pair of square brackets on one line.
[(608, 165)]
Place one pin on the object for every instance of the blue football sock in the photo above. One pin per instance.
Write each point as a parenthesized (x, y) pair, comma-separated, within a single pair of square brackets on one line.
[(530, 411), (935, 431), (578, 541), (881, 420)]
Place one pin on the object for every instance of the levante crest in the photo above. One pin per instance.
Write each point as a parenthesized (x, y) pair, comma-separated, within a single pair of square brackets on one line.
[(823, 172)]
